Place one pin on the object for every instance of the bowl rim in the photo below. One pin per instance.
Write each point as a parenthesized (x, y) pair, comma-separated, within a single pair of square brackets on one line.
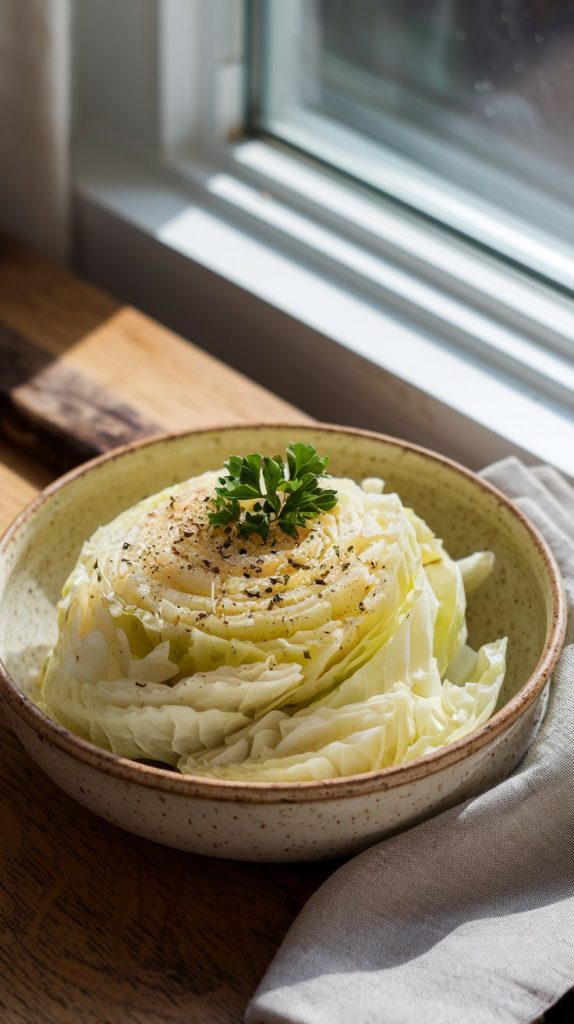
[(165, 780)]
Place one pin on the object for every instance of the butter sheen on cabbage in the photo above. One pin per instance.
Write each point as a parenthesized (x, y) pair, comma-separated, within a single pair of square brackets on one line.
[(339, 653)]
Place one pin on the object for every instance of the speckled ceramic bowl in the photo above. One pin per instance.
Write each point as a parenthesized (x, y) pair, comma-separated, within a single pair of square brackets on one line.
[(523, 599)]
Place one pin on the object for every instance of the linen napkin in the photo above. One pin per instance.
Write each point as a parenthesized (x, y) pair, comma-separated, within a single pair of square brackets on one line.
[(469, 916)]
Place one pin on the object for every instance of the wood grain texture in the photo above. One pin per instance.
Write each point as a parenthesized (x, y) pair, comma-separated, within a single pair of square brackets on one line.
[(100, 926), (20, 480), (97, 925), (70, 327), (58, 411)]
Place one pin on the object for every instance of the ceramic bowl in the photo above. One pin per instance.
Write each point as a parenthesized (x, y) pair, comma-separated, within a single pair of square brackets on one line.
[(523, 600)]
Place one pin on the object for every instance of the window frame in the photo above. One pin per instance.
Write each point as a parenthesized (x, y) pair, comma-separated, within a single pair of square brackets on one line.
[(386, 167)]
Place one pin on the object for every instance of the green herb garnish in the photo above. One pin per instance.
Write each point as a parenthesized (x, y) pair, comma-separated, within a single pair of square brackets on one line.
[(286, 494)]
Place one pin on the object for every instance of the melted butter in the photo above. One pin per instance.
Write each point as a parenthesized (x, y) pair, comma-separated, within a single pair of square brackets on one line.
[(179, 547)]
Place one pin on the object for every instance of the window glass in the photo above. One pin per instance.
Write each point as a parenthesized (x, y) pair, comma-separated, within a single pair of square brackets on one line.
[(475, 98)]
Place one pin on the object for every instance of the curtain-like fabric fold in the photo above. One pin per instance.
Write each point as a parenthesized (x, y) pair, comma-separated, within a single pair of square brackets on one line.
[(35, 106)]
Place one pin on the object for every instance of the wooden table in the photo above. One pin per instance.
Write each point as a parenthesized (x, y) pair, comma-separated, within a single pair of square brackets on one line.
[(98, 926)]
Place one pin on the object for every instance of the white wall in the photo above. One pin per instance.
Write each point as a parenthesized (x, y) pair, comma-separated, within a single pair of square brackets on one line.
[(116, 65)]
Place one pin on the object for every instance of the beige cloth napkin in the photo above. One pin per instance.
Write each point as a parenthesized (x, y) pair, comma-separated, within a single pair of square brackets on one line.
[(468, 917)]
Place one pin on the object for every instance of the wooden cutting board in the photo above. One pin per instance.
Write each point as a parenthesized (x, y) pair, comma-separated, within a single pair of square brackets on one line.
[(80, 374)]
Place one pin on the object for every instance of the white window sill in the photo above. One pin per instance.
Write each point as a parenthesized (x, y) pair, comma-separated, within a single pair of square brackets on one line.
[(322, 321)]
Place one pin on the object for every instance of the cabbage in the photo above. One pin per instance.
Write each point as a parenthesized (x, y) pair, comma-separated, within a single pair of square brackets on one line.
[(342, 652), (382, 730)]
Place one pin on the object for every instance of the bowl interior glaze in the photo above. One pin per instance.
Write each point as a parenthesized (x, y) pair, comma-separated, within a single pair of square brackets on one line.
[(39, 552)]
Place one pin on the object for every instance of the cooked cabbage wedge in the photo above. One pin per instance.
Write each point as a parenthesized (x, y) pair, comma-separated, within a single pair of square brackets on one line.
[(341, 652)]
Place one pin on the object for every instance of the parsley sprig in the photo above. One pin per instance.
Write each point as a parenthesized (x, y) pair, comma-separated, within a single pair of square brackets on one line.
[(286, 494)]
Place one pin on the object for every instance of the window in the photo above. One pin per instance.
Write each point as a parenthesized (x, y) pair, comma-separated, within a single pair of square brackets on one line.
[(362, 186), (462, 110)]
